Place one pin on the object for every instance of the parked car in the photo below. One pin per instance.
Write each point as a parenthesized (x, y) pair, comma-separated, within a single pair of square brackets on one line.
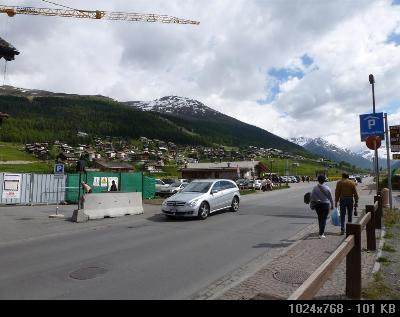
[(242, 183), (160, 185), (173, 188), (257, 184), (200, 198)]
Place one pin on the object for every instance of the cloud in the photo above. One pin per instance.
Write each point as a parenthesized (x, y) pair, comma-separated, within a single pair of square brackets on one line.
[(294, 68)]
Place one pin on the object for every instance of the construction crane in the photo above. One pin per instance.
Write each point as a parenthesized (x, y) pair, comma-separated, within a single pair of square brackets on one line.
[(11, 11)]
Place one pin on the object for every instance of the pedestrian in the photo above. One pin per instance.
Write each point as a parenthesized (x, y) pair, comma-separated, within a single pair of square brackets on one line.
[(322, 196), (113, 187), (269, 184), (346, 194), (263, 184)]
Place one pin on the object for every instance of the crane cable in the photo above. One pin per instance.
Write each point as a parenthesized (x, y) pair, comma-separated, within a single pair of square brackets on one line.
[(60, 5)]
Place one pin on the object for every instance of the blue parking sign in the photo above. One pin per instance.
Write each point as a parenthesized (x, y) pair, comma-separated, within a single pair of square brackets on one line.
[(372, 125), (59, 169)]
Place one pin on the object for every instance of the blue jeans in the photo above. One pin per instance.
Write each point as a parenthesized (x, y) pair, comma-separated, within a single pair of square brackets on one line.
[(322, 212), (346, 204)]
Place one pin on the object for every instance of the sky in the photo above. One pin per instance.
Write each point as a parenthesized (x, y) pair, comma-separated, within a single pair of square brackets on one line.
[(292, 67)]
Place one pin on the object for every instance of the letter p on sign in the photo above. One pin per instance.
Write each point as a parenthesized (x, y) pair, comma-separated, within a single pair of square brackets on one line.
[(371, 123)]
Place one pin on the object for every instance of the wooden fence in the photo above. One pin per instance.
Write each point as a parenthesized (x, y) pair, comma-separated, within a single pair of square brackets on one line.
[(350, 249)]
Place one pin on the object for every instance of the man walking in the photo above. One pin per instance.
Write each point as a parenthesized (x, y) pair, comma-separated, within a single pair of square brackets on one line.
[(346, 193)]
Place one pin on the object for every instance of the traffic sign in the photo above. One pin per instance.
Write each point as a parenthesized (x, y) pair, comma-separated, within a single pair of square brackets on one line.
[(395, 138), (372, 125), (59, 169), (373, 142), (396, 156)]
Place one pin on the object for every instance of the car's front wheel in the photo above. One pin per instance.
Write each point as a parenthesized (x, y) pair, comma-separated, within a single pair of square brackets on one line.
[(235, 204), (204, 211)]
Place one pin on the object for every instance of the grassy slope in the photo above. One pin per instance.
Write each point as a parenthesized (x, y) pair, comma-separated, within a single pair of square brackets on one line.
[(13, 152)]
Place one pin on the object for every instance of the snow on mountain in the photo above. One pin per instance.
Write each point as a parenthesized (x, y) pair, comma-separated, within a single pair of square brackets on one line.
[(176, 105), (333, 152)]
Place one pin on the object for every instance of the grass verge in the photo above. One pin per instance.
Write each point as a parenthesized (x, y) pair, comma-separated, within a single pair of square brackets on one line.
[(377, 289)]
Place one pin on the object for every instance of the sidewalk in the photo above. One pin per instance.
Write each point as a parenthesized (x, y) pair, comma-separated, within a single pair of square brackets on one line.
[(282, 274)]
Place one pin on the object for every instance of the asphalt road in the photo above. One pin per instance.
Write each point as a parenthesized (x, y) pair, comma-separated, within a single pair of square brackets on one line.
[(151, 257)]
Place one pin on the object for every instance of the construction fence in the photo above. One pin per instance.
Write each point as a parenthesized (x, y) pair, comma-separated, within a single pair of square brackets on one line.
[(31, 189)]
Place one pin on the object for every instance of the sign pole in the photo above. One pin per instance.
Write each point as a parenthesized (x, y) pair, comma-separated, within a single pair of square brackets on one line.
[(372, 82), (388, 162)]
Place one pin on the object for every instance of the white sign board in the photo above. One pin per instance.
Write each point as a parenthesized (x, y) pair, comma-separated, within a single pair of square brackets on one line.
[(110, 180), (96, 181), (12, 186), (103, 182)]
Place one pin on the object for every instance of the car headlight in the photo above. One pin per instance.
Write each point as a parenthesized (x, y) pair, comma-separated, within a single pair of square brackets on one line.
[(193, 203), (164, 203)]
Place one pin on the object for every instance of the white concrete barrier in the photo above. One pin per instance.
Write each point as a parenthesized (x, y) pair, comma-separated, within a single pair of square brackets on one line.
[(112, 204)]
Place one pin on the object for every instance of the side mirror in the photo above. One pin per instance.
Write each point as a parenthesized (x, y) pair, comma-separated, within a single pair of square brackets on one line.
[(214, 191)]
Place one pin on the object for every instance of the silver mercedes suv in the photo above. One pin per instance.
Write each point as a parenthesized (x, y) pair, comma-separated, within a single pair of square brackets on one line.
[(202, 197)]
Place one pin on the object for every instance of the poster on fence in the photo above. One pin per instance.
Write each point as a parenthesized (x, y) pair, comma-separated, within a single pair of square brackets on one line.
[(110, 180), (12, 186), (103, 182), (96, 181)]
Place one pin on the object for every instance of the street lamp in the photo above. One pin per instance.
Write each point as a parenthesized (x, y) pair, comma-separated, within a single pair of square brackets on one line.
[(270, 170), (372, 82)]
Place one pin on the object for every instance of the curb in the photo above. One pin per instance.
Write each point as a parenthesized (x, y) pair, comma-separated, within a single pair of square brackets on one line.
[(377, 265)]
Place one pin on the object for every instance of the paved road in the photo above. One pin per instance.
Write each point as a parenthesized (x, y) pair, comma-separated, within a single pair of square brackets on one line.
[(151, 257)]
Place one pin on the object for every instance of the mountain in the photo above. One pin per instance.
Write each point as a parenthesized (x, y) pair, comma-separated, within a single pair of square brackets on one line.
[(6, 90), (42, 116), (199, 119), (323, 148)]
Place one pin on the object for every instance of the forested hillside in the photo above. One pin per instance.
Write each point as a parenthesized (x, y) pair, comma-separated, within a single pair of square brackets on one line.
[(52, 118)]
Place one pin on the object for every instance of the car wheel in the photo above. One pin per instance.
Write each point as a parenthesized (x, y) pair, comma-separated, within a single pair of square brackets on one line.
[(204, 211), (235, 204)]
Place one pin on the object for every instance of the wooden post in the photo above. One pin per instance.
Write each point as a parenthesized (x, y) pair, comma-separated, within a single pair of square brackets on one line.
[(379, 212), (371, 238), (353, 263)]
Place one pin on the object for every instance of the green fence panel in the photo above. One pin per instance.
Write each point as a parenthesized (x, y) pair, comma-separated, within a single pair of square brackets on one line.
[(100, 182), (71, 193), (131, 182), (149, 184)]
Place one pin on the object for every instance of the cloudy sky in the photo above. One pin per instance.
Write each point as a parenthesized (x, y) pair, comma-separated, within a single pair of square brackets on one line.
[(293, 67)]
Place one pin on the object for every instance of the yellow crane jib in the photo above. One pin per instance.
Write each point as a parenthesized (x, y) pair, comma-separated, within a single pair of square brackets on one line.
[(11, 11)]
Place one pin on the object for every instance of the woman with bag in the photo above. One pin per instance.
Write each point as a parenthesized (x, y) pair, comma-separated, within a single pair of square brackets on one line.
[(321, 197)]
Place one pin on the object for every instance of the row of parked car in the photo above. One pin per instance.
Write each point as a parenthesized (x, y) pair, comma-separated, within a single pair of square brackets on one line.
[(168, 187)]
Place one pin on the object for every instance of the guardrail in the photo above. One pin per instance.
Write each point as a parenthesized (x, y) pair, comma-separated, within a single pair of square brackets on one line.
[(350, 249)]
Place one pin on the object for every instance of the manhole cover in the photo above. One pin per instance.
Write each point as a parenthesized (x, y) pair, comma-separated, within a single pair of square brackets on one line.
[(87, 273), (292, 276)]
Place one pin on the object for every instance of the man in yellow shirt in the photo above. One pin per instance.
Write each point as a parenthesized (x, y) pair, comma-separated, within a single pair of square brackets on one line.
[(346, 193)]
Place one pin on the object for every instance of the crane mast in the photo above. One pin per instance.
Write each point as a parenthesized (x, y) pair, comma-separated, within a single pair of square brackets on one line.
[(11, 11)]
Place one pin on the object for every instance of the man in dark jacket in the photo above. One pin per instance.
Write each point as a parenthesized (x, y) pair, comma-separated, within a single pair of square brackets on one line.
[(346, 193)]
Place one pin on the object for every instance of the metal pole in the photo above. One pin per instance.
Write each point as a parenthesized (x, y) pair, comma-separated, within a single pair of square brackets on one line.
[(372, 82), (388, 161), (79, 188)]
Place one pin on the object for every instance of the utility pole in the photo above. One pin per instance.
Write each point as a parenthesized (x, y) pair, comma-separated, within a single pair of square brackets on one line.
[(372, 82), (388, 161)]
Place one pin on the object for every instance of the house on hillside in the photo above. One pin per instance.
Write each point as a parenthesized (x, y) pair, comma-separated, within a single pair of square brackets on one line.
[(106, 166), (228, 170)]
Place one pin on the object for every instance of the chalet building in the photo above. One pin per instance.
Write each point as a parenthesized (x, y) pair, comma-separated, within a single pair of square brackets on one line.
[(227, 170), (105, 166), (68, 158)]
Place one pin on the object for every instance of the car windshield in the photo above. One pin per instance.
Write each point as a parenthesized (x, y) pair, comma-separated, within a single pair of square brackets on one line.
[(197, 187), (175, 185)]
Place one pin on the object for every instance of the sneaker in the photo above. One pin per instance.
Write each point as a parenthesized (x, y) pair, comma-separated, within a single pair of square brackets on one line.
[(342, 232), (322, 236)]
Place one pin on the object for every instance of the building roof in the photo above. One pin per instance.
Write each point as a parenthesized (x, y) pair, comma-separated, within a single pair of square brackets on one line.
[(7, 51), (223, 165), (114, 165)]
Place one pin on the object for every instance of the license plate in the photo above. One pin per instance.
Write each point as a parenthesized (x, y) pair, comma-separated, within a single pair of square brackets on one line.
[(173, 211)]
